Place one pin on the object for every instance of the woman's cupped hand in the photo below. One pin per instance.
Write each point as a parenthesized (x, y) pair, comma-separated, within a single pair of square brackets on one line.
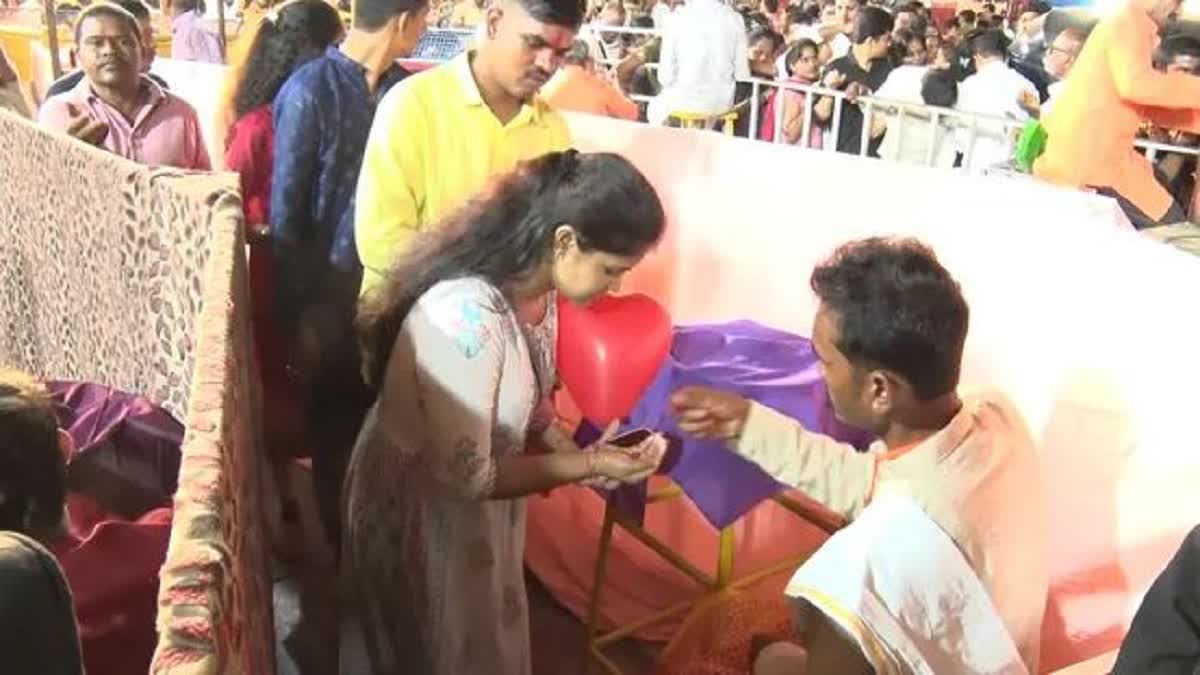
[(615, 465)]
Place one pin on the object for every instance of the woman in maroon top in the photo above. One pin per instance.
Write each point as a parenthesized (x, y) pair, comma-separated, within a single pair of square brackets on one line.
[(287, 37)]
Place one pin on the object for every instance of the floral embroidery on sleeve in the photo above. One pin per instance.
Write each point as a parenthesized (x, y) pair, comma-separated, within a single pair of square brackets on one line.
[(471, 334), (474, 472)]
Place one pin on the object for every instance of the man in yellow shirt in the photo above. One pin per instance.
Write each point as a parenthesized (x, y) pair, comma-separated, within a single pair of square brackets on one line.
[(440, 135)]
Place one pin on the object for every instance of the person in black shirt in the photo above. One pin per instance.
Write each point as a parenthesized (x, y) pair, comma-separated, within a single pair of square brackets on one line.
[(146, 41), (764, 47), (860, 73), (1164, 637)]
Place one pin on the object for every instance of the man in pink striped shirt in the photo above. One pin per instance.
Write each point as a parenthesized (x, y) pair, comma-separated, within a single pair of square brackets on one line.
[(117, 108)]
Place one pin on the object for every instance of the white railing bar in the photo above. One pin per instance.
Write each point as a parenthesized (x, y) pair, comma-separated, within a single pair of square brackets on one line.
[(835, 132), (778, 114), (865, 136), (617, 62), (884, 103), (1156, 147), (806, 125), (935, 121), (753, 132), (972, 136)]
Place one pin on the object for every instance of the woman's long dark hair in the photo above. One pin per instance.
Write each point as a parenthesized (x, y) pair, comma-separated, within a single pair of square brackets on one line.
[(507, 231), (300, 32)]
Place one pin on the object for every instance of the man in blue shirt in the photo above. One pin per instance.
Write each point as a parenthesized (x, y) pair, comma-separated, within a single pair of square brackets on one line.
[(323, 114)]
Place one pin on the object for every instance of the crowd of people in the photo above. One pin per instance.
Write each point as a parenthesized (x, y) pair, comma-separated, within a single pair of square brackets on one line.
[(1007, 68), (409, 235)]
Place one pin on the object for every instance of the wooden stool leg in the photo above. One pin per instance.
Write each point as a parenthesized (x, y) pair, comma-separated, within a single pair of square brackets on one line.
[(725, 558), (598, 576)]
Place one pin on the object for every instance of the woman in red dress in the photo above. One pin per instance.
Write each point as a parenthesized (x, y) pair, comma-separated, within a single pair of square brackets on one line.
[(286, 38)]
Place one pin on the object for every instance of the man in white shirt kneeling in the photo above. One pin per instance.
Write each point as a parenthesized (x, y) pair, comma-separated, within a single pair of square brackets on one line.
[(889, 334)]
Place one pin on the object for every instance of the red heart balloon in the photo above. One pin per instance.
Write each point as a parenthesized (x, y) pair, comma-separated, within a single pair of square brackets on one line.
[(609, 352)]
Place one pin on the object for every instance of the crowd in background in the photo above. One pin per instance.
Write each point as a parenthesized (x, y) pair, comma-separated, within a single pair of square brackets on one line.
[(997, 61), (650, 62)]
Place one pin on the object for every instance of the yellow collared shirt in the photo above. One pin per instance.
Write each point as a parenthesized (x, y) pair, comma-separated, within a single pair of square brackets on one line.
[(433, 144)]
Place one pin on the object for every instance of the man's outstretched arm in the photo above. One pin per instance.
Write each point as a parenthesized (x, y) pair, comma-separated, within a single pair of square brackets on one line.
[(832, 473)]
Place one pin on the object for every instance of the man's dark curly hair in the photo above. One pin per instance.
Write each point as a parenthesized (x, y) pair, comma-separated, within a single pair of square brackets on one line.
[(897, 309)]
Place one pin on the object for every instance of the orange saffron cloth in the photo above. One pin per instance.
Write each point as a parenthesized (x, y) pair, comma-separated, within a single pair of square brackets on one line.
[(1110, 92)]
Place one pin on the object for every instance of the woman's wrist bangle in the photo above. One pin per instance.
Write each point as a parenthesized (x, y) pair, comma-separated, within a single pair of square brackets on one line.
[(592, 470)]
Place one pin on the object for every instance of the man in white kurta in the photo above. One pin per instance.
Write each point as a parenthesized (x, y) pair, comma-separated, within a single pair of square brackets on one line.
[(889, 334), (977, 479)]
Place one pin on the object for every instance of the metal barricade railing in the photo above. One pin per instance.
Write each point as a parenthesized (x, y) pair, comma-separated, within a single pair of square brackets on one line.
[(871, 106), (1153, 148), (442, 44), (600, 30), (901, 113)]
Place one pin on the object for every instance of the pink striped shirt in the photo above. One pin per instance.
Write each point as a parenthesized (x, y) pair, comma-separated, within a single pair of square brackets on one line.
[(165, 130)]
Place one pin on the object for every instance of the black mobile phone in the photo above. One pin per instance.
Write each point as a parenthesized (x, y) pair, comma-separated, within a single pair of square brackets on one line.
[(630, 439)]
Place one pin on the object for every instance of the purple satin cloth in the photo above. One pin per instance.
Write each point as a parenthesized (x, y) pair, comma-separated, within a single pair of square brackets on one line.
[(774, 368), (126, 448)]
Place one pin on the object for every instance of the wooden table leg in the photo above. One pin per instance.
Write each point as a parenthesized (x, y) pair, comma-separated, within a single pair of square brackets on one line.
[(601, 570)]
